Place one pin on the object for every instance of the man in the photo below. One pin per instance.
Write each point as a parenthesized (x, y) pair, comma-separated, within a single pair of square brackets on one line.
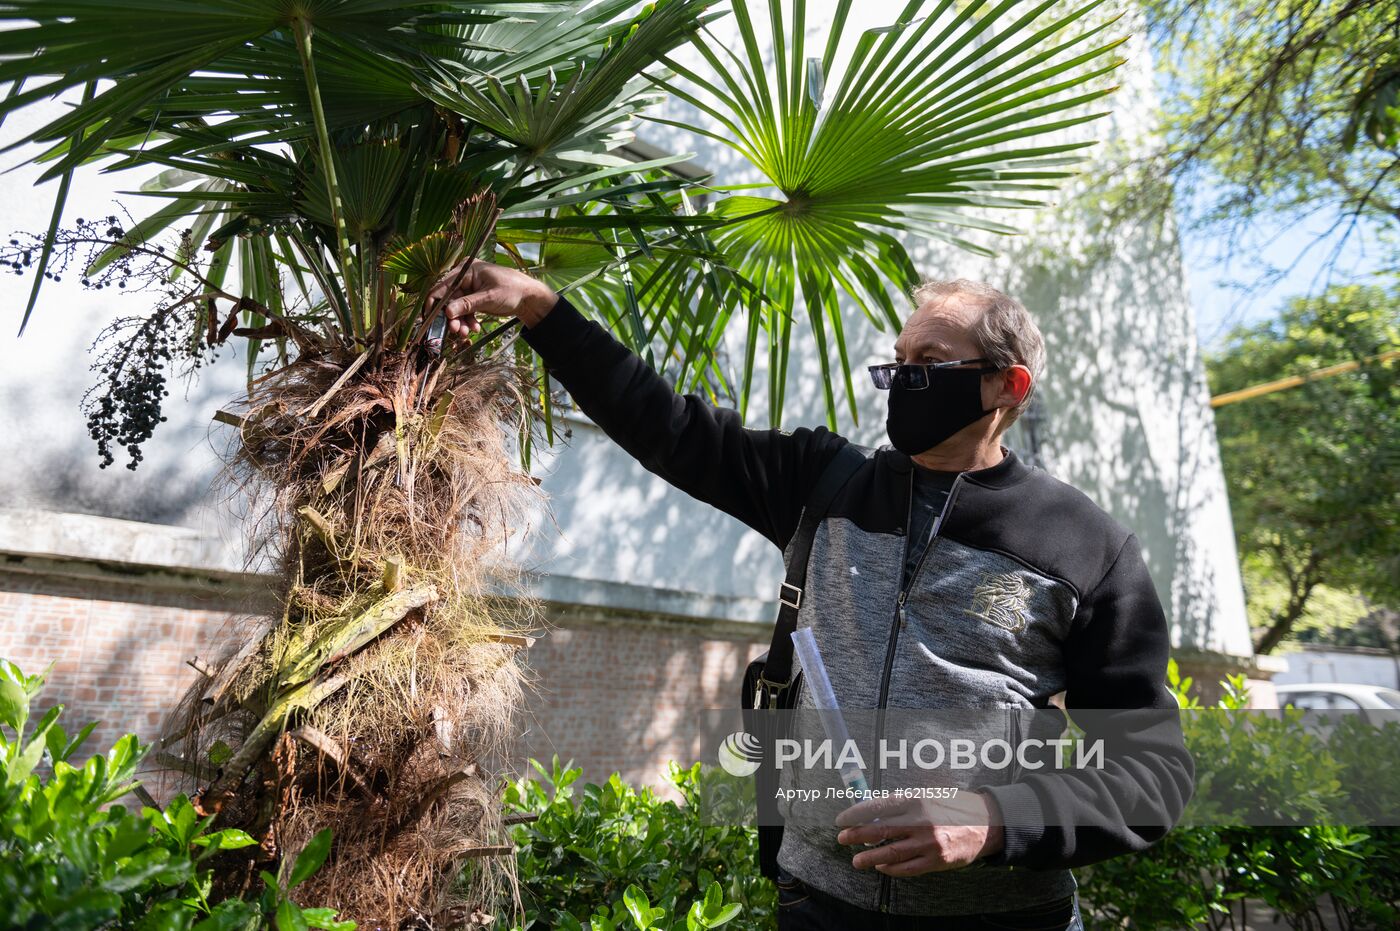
[(947, 573)]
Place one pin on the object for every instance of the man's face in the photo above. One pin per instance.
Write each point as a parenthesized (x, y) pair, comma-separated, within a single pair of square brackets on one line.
[(940, 331)]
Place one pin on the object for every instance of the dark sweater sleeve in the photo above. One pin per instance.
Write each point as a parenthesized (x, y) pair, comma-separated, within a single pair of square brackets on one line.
[(761, 477), (1116, 656)]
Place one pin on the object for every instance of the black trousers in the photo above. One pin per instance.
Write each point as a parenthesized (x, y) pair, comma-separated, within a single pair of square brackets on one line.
[(802, 908)]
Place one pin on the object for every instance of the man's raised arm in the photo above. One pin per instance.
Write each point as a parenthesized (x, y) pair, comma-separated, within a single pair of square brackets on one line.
[(760, 477)]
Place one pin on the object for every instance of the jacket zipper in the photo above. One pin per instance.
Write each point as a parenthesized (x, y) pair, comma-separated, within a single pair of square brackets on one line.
[(899, 621), (1015, 715)]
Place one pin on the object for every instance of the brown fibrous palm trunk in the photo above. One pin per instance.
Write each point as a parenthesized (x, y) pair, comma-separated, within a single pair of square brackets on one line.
[(379, 698)]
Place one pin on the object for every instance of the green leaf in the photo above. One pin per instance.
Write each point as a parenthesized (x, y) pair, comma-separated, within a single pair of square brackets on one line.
[(290, 917), (65, 183), (576, 108), (78, 740), (14, 705), (55, 740), (220, 753), (227, 839), (33, 751), (724, 914), (640, 909), (310, 858), (232, 915), (325, 919)]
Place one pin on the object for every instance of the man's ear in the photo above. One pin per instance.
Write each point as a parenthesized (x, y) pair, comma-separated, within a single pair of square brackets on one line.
[(1015, 385)]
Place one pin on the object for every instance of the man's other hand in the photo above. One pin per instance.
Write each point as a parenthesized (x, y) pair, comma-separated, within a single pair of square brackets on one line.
[(488, 288), (925, 835)]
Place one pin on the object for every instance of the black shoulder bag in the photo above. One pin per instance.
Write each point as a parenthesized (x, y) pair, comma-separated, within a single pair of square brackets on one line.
[(768, 681)]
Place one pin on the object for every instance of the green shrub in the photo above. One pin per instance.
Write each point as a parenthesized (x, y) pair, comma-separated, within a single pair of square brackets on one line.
[(1251, 768), (71, 859), (611, 857), (1369, 757), (1212, 877), (580, 860), (1259, 768), (577, 861), (611, 853)]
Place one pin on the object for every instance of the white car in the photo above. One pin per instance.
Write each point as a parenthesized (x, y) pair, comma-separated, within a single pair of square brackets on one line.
[(1340, 696)]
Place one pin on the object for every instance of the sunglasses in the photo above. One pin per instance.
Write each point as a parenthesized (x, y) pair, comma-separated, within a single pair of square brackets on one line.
[(915, 376)]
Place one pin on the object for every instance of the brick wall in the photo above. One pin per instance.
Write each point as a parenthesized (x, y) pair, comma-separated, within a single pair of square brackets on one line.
[(118, 650), (611, 693), (620, 695)]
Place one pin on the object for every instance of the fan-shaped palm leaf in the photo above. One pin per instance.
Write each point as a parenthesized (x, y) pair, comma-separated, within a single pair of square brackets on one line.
[(954, 108), (213, 87), (572, 112)]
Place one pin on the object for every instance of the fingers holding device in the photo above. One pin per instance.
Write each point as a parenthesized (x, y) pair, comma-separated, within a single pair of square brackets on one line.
[(476, 287)]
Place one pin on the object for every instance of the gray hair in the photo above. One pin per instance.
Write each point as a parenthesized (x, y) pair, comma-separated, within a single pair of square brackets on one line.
[(1005, 332)]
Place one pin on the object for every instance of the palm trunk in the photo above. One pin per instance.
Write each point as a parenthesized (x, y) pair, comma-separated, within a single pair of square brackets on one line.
[(378, 702)]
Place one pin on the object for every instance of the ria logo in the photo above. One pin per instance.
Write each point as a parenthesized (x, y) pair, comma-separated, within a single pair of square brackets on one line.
[(740, 753)]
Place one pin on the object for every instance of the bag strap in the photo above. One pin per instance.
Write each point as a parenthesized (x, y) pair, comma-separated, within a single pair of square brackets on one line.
[(777, 670)]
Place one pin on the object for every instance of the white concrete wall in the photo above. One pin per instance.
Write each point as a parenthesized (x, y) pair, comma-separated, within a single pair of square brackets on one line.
[(1315, 665), (49, 460), (1126, 412)]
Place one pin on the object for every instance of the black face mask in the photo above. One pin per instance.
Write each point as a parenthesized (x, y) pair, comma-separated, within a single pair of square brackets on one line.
[(921, 419)]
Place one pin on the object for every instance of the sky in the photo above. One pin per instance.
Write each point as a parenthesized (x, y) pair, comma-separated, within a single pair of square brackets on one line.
[(1219, 284), (1225, 290)]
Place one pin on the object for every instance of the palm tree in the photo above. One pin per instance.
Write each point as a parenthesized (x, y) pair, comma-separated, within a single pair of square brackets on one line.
[(322, 163)]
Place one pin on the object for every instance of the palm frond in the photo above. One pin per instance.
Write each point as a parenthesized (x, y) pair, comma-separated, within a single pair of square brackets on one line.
[(335, 121), (917, 128), (571, 113)]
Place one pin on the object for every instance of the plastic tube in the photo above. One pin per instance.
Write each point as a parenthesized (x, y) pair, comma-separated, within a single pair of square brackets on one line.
[(819, 684)]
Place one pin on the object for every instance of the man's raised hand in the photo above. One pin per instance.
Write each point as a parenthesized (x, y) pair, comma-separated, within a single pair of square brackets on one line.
[(488, 288)]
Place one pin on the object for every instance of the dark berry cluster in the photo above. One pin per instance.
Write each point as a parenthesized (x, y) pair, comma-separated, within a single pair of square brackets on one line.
[(138, 354), (128, 259), (127, 414), (135, 355)]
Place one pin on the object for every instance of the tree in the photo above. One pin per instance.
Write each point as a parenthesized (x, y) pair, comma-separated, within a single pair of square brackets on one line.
[(1282, 113), (1314, 472), (323, 164)]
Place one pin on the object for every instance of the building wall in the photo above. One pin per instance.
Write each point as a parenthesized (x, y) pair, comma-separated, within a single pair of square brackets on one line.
[(119, 655), (1356, 665), (118, 650), (118, 608), (623, 694)]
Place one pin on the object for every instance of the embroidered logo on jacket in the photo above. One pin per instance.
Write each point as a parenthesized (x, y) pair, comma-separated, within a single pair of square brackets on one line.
[(1002, 600)]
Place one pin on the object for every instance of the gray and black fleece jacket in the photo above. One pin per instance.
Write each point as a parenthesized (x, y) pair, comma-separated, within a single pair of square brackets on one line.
[(1091, 624)]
